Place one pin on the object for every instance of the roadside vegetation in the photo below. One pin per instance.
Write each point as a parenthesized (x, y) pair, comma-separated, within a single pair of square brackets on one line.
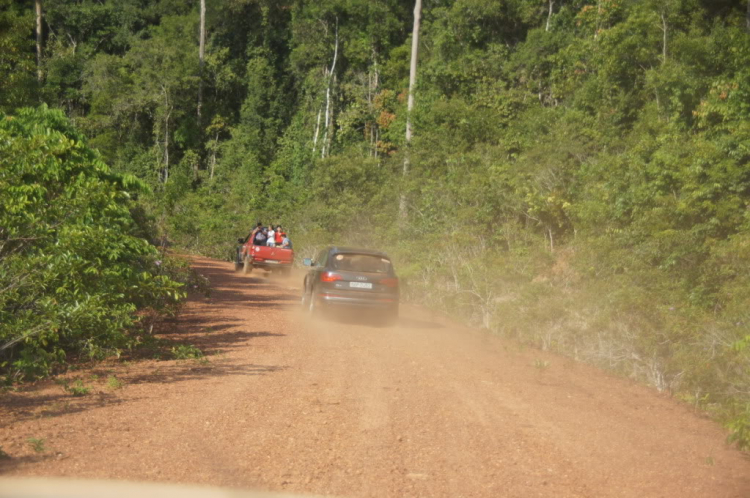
[(77, 273), (577, 178)]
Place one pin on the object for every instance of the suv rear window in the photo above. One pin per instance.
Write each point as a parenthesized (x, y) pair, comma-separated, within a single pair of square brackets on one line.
[(361, 262)]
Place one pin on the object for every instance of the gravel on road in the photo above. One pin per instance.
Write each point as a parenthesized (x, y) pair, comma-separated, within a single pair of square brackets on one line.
[(338, 407)]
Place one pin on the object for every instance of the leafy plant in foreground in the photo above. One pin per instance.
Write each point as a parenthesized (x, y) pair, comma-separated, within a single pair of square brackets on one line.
[(73, 270)]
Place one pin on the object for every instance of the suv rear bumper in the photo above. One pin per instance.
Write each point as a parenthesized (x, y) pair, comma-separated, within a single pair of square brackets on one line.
[(266, 264), (344, 301)]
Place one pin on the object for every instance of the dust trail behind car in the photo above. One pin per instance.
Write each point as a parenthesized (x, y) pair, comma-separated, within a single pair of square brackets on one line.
[(327, 407)]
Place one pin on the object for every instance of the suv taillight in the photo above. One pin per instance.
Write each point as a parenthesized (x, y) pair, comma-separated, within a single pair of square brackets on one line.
[(329, 276), (390, 282)]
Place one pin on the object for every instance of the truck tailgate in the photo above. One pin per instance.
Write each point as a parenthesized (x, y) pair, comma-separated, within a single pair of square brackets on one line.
[(269, 254)]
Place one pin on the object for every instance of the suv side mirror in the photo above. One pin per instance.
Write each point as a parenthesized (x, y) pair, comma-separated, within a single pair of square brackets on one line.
[(240, 241), (307, 262)]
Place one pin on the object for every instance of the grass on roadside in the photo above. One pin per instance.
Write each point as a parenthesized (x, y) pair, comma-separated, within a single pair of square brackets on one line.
[(186, 352), (37, 444), (114, 383)]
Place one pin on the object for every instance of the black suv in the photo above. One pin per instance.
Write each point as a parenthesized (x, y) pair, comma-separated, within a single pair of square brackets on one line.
[(342, 277)]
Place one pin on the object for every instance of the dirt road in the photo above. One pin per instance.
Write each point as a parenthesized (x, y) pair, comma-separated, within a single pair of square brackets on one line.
[(427, 408)]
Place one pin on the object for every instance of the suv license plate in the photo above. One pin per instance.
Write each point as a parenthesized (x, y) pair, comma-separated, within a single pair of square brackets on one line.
[(360, 285), (272, 261)]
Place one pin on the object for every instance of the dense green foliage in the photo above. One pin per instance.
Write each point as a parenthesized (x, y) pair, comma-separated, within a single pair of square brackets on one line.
[(579, 171), (74, 267)]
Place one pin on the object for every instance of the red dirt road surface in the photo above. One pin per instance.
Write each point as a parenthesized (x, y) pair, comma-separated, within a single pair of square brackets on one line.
[(426, 408)]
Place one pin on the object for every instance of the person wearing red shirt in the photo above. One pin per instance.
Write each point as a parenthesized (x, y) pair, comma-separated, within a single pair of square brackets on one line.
[(278, 237)]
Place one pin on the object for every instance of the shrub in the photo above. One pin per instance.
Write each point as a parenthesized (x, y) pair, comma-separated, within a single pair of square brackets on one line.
[(740, 427), (186, 352), (73, 269), (78, 389)]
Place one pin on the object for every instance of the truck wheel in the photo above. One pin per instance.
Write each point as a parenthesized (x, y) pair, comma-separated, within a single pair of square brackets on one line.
[(247, 267), (237, 258)]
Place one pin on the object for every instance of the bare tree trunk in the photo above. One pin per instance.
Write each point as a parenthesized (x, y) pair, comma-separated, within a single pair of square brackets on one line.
[(369, 91), (377, 140), (402, 210), (38, 9), (598, 19), (213, 155), (201, 60), (664, 28), (413, 69), (372, 89), (329, 129), (317, 130), (168, 112), (549, 14), (551, 240), (73, 43), (329, 112), (166, 148)]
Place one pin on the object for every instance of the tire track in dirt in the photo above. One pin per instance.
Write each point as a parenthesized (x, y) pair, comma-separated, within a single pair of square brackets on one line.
[(426, 408)]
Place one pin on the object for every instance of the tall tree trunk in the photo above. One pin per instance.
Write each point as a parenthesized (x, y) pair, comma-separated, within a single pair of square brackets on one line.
[(377, 143), (38, 9), (373, 82), (551, 240), (549, 14), (329, 111), (201, 60), (166, 148), (664, 29), (167, 115), (317, 131), (329, 128), (598, 19), (213, 155), (747, 16), (402, 210)]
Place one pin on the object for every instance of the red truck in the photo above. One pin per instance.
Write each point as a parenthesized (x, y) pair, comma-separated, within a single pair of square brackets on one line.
[(273, 259)]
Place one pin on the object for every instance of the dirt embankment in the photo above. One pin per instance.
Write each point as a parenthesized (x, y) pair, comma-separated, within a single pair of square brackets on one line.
[(427, 408)]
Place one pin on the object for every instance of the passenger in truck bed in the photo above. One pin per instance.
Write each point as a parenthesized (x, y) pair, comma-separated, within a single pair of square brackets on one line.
[(279, 239), (259, 239), (260, 236), (285, 242), (251, 236)]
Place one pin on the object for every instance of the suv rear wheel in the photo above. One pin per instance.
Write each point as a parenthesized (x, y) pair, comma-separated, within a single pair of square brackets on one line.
[(312, 306)]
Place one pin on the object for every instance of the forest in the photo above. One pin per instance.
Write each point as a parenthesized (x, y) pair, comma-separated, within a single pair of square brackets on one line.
[(577, 176)]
